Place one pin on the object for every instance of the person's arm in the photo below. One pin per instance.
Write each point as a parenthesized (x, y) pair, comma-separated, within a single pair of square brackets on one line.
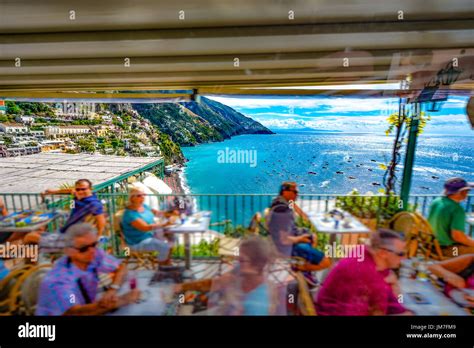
[(461, 238), (103, 306), (457, 225), (300, 212), (60, 191), (100, 223), (141, 225), (448, 270), (157, 212), (3, 208)]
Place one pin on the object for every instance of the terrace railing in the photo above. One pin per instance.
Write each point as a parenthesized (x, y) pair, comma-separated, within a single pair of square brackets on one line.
[(232, 210)]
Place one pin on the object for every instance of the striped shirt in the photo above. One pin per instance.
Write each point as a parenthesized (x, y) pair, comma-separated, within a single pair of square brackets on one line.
[(60, 290)]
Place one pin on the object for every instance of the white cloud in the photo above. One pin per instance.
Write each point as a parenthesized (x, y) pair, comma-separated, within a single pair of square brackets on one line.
[(333, 104)]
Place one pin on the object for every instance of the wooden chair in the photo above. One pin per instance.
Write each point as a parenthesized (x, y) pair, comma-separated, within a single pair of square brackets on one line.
[(25, 292), (8, 287), (419, 235), (141, 259)]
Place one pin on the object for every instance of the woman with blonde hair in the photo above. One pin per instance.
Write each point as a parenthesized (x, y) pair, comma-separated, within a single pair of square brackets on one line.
[(140, 230)]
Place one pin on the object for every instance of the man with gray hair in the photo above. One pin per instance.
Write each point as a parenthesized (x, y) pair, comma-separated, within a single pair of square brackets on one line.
[(71, 287), (366, 286)]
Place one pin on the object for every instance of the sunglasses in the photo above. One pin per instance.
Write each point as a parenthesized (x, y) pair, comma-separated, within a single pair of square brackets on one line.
[(398, 253), (81, 188), (86, 247), (139, 195)]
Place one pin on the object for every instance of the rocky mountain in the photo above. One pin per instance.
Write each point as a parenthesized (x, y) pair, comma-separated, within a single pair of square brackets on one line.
[(192, 123)]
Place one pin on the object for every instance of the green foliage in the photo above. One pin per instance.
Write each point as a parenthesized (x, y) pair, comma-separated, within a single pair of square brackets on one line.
[(369, 207), (86, 145), (394, 121), (202, 249)]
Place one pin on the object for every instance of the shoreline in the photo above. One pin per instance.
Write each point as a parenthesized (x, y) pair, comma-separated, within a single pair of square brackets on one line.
[(177, 181)]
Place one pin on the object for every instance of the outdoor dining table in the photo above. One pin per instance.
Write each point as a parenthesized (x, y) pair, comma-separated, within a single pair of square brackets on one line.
[(31, 227), (196, 223), (153, 301), (423, 298), (355, 227)]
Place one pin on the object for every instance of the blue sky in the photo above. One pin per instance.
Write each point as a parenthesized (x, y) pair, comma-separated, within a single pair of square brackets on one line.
[(343, 113)]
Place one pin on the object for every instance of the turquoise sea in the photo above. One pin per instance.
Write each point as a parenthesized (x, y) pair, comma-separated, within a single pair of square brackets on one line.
[(321, 163), (293, 155)]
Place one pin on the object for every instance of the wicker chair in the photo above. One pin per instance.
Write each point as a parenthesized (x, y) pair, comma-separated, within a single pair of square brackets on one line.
[(9, 304), (418, 234)]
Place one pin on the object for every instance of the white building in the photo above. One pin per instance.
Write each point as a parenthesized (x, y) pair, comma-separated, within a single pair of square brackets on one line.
[(25, 119), (13, 128), (37, 133), (66, 130)]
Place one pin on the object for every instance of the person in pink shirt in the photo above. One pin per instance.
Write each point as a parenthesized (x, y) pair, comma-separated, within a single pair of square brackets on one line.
[(365, 285)]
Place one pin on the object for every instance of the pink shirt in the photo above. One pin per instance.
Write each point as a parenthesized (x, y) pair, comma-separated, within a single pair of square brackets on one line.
[(356, 288)]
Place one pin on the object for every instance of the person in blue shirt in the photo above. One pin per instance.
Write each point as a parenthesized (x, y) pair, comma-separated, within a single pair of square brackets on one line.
[(86, 207), (141, 232)]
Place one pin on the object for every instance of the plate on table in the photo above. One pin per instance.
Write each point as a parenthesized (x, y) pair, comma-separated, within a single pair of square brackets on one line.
[(37, 219)]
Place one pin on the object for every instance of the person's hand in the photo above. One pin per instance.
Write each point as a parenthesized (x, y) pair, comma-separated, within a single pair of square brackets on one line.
[(392, 280), (305, 238), (455, 280), (130, 297), (172, 220), (109, 300), (469, 298)]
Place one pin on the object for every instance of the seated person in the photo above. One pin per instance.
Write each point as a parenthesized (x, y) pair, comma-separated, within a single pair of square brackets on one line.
[(368, 287), (87, 207), (448, 218), (141, 232), (458, 273), (71, 287), (287, 237), (244, 290)]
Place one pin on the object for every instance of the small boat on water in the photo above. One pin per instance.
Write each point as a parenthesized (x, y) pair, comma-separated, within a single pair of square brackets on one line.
[(352, 177), (376, 184), (339, 172)]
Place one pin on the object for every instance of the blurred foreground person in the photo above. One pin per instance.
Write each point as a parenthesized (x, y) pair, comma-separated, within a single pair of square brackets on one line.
[(448, 218), (365, 286), (71, 287), (245, 290), (458, 273)]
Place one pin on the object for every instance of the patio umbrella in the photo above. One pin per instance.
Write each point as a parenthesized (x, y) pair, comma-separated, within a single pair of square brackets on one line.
[(157, 185)]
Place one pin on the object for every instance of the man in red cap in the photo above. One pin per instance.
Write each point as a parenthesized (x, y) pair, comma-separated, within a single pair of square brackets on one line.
[(448, 218)]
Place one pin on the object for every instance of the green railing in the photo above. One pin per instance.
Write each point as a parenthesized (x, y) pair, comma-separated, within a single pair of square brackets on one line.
[(232, 210), (235, 209)]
